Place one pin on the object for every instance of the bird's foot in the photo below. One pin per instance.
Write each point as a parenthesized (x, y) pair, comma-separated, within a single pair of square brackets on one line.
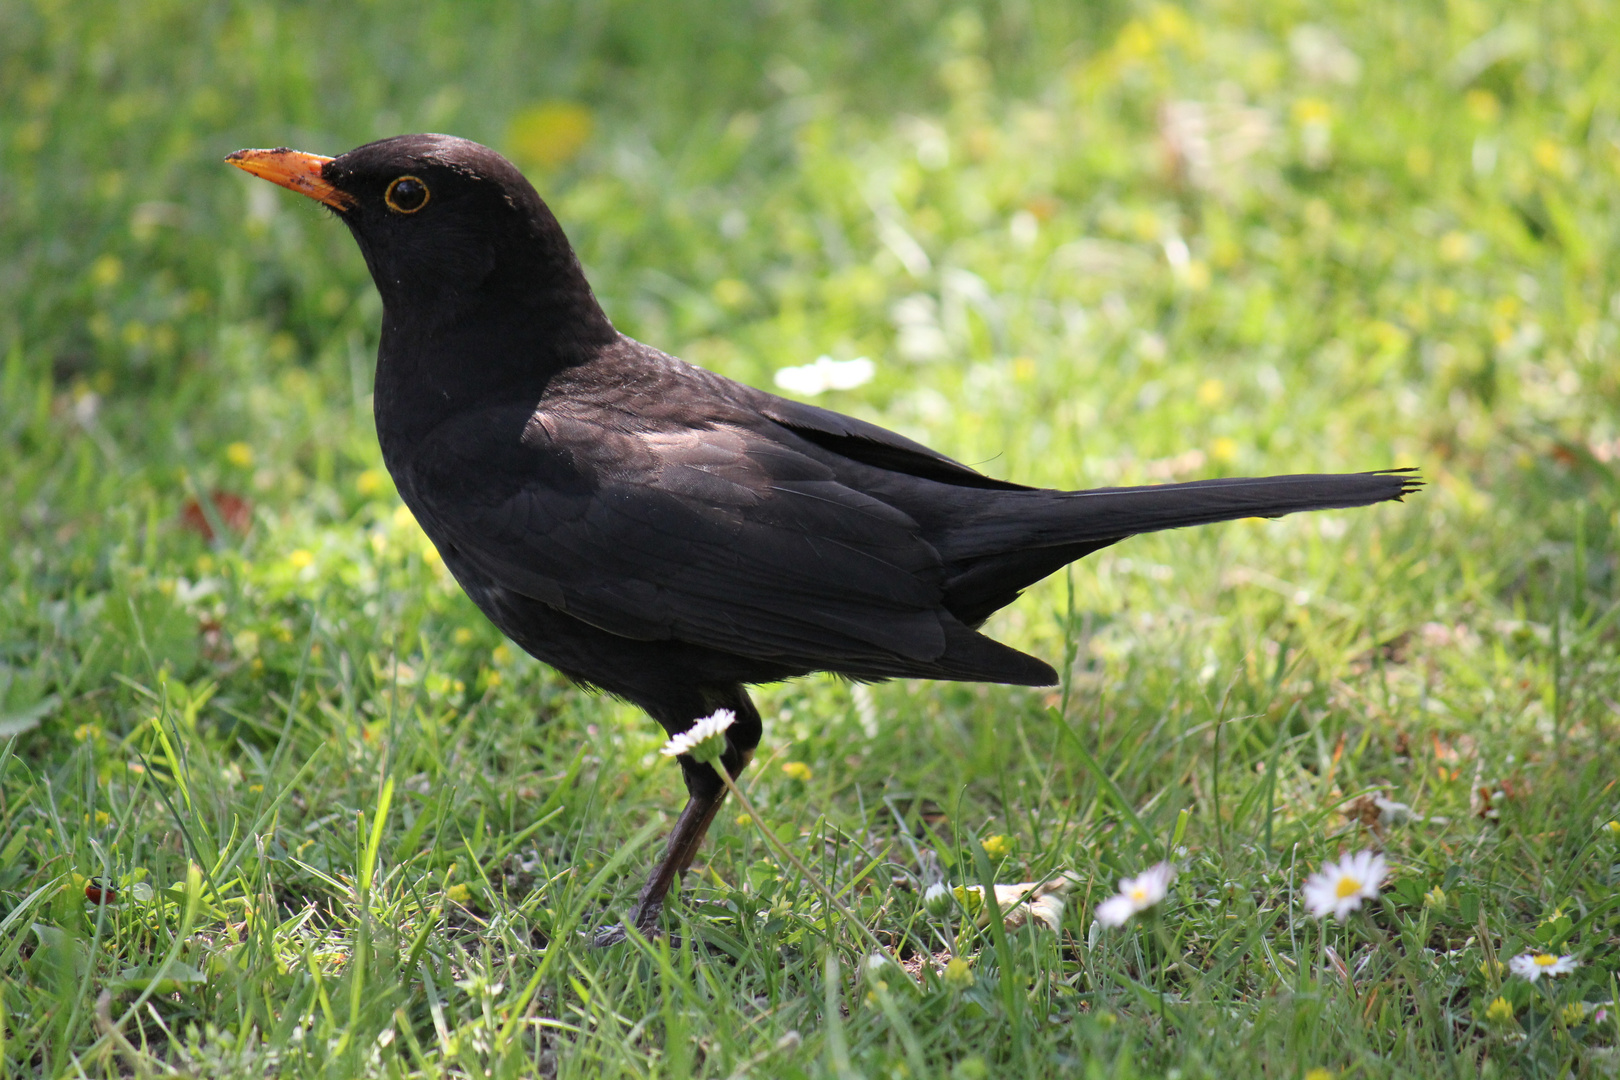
[(645, 921), (609, 935)]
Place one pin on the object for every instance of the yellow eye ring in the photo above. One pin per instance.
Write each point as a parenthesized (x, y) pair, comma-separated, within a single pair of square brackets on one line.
[(406, 195)]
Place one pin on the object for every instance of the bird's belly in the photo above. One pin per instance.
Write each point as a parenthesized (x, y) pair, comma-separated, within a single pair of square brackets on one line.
[(630, 668)]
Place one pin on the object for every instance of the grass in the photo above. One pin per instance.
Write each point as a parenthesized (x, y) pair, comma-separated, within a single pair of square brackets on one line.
[(354, 834)]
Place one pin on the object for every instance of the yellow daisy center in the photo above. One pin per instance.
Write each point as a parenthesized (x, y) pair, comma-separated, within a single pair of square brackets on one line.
[(1348, 886), (1545, 960), (1138, 894)]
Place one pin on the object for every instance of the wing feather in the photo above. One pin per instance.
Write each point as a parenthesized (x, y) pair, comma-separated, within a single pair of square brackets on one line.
[(717, 536)]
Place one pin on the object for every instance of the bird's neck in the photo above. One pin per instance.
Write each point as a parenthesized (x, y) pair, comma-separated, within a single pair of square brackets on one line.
[(440, 359)]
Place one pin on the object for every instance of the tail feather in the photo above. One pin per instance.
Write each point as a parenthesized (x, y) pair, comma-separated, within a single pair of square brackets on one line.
[(1110, 514), (1126, 511)]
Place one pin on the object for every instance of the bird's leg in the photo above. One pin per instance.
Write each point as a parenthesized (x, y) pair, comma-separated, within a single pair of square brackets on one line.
[(705, 793)]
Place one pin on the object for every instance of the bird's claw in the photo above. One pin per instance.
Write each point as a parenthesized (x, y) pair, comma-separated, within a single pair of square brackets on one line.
[(646, 924), (609, 935)]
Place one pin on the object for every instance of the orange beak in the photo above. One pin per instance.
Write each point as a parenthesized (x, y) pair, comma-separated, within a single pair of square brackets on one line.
[(295, 170)]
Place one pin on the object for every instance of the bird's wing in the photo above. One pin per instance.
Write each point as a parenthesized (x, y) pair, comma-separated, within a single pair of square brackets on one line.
[(871, 444), (715, 535)]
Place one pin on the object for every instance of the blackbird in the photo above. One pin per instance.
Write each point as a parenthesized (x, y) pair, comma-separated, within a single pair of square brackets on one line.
[(667, 535)]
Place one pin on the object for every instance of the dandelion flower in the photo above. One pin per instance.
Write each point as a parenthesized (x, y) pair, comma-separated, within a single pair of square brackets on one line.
[(704, 740), (1136, 894), (1339, 888), (1532, 966), (997, 847)]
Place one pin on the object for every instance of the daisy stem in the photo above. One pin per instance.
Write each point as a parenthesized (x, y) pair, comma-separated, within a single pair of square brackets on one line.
[(1164, 958), (1556, 1010), (782, 850)]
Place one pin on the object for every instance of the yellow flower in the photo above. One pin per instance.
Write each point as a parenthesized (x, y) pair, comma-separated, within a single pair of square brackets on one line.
[(1613, 827), (501, 654), (550, 133), (459, 893), (1455, 247), (462, 636), (731, 293), (369, 482), (1319, 1073), (797, 770), (106, 271), (1573, 1013), (997, 847), (1483, 105), (743, 821), (1548, 155), (958, 973), (300, 558), (1499, 1011), (1390, 337), (1310, 110), (239, 454)]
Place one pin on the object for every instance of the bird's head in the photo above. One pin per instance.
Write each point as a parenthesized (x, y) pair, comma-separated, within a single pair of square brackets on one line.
[(445, 225)]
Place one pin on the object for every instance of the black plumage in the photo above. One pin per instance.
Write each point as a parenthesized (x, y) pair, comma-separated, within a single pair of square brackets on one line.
[(663, 533)]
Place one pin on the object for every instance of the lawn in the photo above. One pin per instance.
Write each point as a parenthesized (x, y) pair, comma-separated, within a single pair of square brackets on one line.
[(339, 828)]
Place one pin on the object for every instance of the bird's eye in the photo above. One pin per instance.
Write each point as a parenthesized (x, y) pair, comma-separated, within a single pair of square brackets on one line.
[(406, 195)]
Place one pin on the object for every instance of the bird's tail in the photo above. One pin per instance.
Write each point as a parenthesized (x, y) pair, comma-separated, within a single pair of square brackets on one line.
[(1126, 511), (1106, 515), (1018, 537)]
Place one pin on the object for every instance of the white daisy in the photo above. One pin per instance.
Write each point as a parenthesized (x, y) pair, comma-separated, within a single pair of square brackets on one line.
[(937, 900), (1341, 887), (704, 740), (1136, 894), (1531, 966)]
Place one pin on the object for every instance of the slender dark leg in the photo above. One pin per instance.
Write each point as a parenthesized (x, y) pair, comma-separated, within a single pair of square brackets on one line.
[(705, 793)]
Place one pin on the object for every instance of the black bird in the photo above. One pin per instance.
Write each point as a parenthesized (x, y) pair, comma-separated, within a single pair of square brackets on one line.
[(665, 534)]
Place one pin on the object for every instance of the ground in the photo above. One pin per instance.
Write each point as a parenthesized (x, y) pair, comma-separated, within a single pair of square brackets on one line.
[(339, 828)]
